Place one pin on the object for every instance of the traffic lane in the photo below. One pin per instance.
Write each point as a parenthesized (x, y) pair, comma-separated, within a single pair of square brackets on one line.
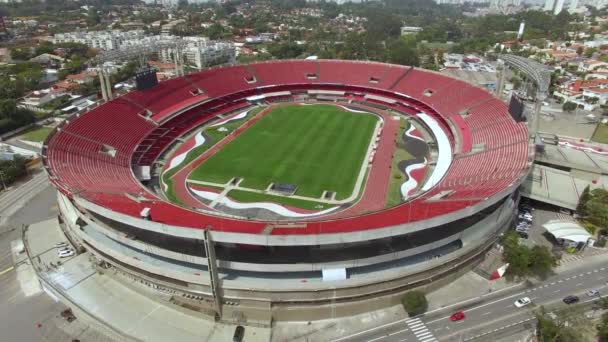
[(591, 276), (394, 331), (492, 315), (500, 324), (544, 293)]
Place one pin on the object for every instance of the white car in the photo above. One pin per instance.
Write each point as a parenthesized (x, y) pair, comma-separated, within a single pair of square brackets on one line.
[(61, 244), (65, 253), (593, 293), (521, 302)]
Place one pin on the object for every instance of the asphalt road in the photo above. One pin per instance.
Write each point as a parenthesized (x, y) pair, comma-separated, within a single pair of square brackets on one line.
[(25, 316), (492, 315)]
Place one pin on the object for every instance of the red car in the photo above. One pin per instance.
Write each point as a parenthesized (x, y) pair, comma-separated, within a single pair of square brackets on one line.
[(457, 316)]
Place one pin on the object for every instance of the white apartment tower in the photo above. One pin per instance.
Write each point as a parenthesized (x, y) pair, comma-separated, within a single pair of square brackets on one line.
[(559, 6)]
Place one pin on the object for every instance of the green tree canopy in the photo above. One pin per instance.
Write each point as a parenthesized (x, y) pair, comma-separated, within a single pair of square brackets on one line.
[(581, 207), (524, 261), (569, 106), (414, 303)]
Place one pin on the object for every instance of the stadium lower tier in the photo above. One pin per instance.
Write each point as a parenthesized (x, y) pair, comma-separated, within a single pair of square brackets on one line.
[(268, 282)]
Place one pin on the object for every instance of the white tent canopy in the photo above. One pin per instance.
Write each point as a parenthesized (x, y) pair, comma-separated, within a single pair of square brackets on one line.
[(567, 230)]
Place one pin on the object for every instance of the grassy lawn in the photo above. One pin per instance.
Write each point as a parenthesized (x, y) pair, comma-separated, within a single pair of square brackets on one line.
[(250, 197), (37, 134), (213, 136), (600, 134), (316, 147), (393, 196)]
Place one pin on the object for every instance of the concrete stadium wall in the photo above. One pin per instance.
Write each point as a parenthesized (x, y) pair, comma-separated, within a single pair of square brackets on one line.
[(471, 235), (352, 289), (297, 240)]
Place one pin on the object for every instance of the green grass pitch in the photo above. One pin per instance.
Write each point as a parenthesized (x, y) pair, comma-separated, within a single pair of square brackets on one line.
[(316, 147)]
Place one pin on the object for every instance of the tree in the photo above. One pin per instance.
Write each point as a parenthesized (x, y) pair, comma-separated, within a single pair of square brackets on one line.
[(541, 261), (285, 50), (597, 208), (580, 50), (516, 82), (553, 328), (589, 52), (581, 207), (524, 261), (93, 17), (403, 51), (602, 329), (569, 106), (414, 303), (22, 54)]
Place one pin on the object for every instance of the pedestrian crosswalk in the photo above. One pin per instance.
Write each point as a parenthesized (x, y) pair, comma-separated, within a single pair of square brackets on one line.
[(564, 217), (419, 329)]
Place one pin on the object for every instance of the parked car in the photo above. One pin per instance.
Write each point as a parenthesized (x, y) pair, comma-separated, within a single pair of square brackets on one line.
[(526, 207), (521, 302), (523, 235), (239, 332), (571, 300), (457, 316), (525, 219), (61, 244), (65, 254)]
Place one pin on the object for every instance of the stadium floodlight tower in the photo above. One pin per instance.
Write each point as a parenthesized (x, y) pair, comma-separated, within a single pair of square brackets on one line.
[(136, 52), (536, 72)]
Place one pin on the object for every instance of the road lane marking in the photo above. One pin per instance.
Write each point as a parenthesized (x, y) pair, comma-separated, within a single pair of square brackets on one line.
[(7, 270), (424, 335), (412, 320), (397, 332), (418, 328), (487, 313), (579, 284), (376, 339), (556, 291)]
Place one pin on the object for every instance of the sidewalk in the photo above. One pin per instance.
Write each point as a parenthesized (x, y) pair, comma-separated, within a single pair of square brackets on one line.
[(116, 306)]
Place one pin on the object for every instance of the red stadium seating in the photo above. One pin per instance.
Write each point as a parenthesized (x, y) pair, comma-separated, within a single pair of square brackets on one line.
[(493, 154)]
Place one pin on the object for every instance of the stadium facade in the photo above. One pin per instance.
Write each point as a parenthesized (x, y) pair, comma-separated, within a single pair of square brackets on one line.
[(106, 164)]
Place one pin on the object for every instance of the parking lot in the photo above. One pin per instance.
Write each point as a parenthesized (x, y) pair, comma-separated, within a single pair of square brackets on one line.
[(541, 213)]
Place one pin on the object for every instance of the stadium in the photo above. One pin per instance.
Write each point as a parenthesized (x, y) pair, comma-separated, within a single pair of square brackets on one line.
[(290, 190)]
